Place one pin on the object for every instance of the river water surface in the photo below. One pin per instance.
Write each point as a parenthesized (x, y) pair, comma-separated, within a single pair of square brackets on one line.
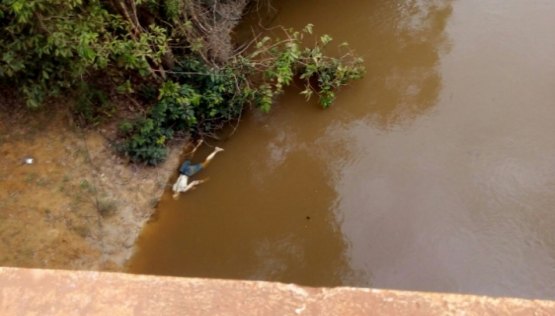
[(436, 172)]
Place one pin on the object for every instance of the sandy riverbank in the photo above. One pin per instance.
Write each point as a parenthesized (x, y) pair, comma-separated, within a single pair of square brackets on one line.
[(78, 206)]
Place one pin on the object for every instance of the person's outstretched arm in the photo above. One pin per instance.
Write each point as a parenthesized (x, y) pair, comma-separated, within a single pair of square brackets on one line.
[(193, 184), (190, 186)]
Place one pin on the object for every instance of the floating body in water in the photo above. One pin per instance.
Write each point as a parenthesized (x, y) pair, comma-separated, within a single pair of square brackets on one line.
[(188, 169)]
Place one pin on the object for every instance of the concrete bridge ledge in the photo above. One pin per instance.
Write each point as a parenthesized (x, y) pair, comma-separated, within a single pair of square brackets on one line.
[(59, 292)]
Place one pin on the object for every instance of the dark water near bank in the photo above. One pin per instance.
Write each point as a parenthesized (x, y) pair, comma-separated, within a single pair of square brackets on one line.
[(436, 172)]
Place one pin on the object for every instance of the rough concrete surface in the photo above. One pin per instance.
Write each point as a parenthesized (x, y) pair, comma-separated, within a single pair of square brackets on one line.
[(59, 292)]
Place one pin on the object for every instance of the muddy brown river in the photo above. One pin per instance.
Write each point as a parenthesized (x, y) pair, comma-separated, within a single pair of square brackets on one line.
[(436, 172)]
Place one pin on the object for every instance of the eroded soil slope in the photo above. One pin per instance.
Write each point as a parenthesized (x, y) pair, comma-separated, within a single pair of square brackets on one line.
[(78, 206)]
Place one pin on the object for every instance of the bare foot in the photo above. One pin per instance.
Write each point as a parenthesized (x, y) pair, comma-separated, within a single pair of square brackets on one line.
[(218, 149)]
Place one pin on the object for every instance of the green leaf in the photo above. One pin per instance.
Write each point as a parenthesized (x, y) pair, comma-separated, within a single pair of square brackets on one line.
[(325, 39)]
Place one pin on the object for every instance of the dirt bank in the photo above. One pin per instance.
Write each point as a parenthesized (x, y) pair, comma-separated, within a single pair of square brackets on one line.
[(78, 206)]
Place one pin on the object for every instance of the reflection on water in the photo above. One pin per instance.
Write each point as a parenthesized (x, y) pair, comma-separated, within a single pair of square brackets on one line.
[(434, 173)]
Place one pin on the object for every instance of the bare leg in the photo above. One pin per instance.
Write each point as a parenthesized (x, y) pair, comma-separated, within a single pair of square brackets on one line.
[(211, 156), (196, 147)]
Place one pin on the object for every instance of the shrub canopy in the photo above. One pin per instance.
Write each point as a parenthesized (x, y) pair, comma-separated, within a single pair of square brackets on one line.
[(180, 48)]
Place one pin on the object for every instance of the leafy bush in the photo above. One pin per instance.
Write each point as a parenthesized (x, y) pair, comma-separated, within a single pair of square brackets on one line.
[(50, 45), (92, 104), (201, 98), (280, 61), (176, 53)]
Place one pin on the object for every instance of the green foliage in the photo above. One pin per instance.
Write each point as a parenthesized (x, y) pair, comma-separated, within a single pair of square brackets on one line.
[(282, 60), (145, 139), (201, 98), (48, 46), (164, 53), (219, 96), (92, 104), (145, 142)]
